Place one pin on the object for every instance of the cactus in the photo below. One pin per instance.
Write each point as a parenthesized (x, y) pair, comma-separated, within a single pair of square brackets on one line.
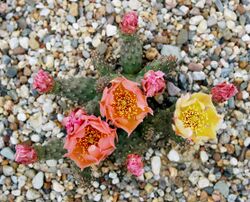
[(165, 64), (100, 65), (131, 54), (77, 89), (52, 150)]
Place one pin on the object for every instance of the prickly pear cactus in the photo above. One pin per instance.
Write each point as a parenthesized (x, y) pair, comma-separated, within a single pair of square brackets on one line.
[(131, 55), (78, 89)]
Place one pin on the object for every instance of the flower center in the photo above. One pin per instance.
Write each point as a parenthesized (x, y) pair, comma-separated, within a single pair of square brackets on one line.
[(92, 137), (125, 103), (193, 117)]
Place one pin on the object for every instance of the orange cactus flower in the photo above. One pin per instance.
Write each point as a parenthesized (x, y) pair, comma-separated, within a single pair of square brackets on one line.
[(124, 104), (91, 143), (196, 118)]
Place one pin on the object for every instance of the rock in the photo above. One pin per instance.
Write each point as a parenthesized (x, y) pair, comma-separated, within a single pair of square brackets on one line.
[(247, 142), (200, 4), (33, 44), (168, 50), (203, 156), (32, 194), (224, 138), (196, 20), (22, 23), (11, 72), (44, 12), (172, 89), (51, 163), (198, 76), (18, 51), (71, 19), (97, 197), (24, 42), (170, 4), (222, 187), (35, 121), (156, 165), (219, 5), (194, 177), (229, 15), (182, 37), (202, 27), (8, 170), (233, 161), (49, 61), (13, 42), (7, 153), (184, 9), (149, 188), (21, 117), (111, 30), (151, 53), (96, 41), (195, 66), (38, 180), (134, 4), (35, 138), (173, 156), (57, 186), (211, 21), (109, 8), (73, 9), (203, 182)]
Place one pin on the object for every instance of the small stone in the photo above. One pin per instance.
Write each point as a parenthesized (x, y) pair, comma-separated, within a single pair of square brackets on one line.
[(233, 161), (168, 50), (211, 21), (38, 180), (96, 42), (172, 89), (195, 66), (247, 154), (71, 19), (219, 5), (8, 170), (156, 165), (97, 197), (13, 42), (18, 51), (230, 15), (35, 138), (194, 177), (202, 27), (11, 72), (134, 4), (22, 24), (182, 37), (111, 30), (149, 188), (198, 76), (196, 20), (7, 153), (224, 138), (152, 53), (44, 12), (57, 186), (203, 156), (222, 187), (32, 194), (33, 44), (24, 42), (203, 182), (21, 117), (173, 156), (73, 9), (51, 163)]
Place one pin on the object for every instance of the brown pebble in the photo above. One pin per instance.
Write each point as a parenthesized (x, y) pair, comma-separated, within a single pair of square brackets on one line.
[(207, 62), (192, 198), (241, 9), (151, 53), (195, 66), (23, 79), (18, 51), (239, 96), (216, 156), (27, 71), (243, 64), (230, 148), (248, 87), (203, 196), (161, 39), (247, 154)]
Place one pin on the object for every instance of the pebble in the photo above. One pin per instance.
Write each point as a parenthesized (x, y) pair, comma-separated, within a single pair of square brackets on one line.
[(194, 177), (152, 53), (21, 117), (13, 42), (71, 19), (198, 76), (32, 194), (134, 4), (24, 42), (195, 66), (111, 30), (57, 186), (233, 161), (229, 15), (196, 20), (51, 163), (222, 187), (33, 44), (202, 27), (38, 180), (98, 197), (8, 170), (168, 50), (35, 138), (73, 9), (45, 12), (182, 37), (173, 156), (203, 182), (156, 165), (172, 89), (203, 156), (11, 72), (7, 153)]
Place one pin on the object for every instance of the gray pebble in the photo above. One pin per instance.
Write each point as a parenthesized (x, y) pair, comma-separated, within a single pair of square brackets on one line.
[(222, 187), (71, 19), (11, 72), (8, 153)]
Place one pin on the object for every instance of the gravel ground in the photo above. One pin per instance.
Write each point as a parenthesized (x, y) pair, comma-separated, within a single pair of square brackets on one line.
[(210, 38)]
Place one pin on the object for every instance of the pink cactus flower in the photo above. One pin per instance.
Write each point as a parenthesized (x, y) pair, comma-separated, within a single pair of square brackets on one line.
[(129, 23), (223, 91), (135, 164), (74, 120), (43, 82), (91, 143), (25, 154), (153, 83)]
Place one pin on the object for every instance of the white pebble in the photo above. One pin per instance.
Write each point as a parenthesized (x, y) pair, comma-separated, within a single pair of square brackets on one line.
[(233, 161), (13, 42), (111, 30), (203, 182), (156, 165), (247, 142), (21, 117), (196, 20), (173, 156), (57, 186), (37, 181), (203, 156), (24, 42)]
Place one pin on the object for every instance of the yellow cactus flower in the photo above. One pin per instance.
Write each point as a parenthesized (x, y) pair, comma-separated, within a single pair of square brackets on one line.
[(196, 118)]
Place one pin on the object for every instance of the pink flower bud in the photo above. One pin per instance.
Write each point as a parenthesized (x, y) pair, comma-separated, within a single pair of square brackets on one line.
[(153, 83), (135, 164), (129, 23), (223, 91), (25, 154), (43, 82)]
